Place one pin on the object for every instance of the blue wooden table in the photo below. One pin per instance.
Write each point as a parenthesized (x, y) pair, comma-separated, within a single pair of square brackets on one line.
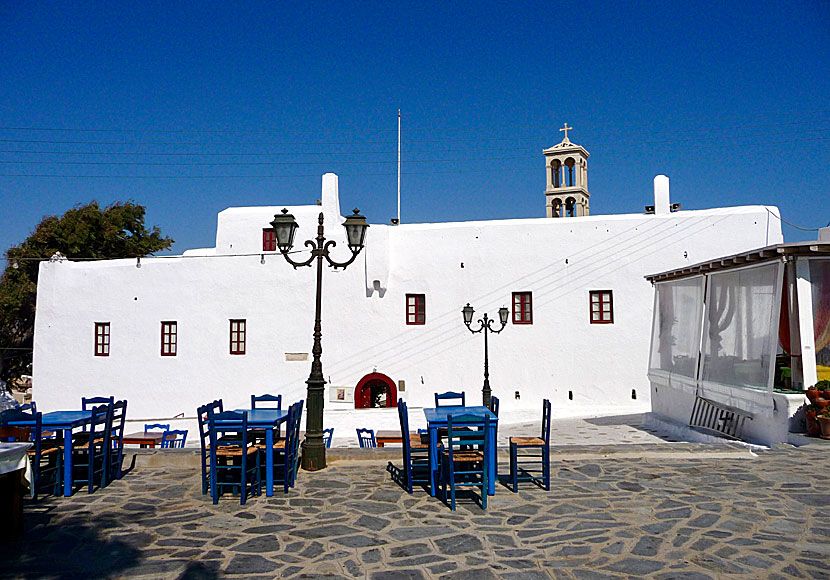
[(63, 421), (268, 419), (437, 419)]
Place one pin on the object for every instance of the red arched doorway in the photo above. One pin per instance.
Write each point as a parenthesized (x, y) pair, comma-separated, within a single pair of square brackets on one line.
[(375, 390)]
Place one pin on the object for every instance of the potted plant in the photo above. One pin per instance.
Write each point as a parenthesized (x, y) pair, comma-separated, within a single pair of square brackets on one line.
[(811, 415), (823, 389), (824, 423)]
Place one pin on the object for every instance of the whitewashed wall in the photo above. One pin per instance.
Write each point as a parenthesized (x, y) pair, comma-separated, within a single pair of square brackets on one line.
[(364, 325)]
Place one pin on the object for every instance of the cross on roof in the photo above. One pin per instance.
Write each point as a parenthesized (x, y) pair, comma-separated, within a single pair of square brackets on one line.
[(566, 129)]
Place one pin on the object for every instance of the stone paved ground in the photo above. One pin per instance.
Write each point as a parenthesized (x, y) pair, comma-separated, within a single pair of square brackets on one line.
[(660, 512)]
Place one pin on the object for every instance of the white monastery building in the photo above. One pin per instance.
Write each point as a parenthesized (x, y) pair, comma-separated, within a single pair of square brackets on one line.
[(172, 333)]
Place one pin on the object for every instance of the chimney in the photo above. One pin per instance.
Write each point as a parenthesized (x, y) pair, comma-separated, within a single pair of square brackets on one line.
[(662, 204)]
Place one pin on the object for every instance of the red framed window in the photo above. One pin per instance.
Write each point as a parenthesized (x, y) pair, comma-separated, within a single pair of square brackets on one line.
[(602, 307), (169, 341), (238, 336), (269, 240), (102, 339), (416, 309), (522, 308)]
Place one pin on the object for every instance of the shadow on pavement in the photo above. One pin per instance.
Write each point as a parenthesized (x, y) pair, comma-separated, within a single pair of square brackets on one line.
[(72, 550)]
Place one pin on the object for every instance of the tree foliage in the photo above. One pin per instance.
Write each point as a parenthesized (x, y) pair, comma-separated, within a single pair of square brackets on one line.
[(117, 231)]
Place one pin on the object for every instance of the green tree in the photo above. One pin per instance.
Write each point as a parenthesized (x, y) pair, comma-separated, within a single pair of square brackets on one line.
[(117, 231)]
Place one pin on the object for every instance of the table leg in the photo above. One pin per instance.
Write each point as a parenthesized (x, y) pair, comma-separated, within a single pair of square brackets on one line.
[(67, 462), (492, 459), (433, 471), (269, 462)]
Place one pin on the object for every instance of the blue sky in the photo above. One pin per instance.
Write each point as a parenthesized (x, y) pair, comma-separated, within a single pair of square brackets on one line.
[(189, 108)]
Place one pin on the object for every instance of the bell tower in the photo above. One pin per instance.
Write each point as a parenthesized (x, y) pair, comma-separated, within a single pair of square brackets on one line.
[(566, 166)]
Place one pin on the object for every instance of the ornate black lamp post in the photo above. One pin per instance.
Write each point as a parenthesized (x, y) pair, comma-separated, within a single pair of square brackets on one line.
[(485, 325), (314, 451)]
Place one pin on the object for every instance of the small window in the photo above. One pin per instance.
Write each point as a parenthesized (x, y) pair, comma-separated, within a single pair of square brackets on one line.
[(522, 309), (269, 240), (168, 338), (416, 309), (602, 307), (238, 336), (102, 339)]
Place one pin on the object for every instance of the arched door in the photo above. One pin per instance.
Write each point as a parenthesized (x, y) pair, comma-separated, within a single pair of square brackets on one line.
[(375, 390)]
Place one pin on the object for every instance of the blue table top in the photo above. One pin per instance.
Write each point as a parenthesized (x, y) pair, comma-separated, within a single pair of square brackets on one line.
[(438, 415), (264, 417), (61, 419)]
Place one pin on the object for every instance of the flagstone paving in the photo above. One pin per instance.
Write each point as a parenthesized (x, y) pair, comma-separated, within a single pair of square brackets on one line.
[(657, 515)]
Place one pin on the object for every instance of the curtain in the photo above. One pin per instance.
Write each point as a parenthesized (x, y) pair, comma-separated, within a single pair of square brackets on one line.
[(676, 328), (740, 336)]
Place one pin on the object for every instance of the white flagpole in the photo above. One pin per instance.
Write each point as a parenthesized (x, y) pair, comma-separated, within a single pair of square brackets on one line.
[(399, 166)]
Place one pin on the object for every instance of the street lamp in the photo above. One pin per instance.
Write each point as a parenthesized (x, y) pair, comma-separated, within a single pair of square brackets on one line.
[(314, 451), (486, 327)]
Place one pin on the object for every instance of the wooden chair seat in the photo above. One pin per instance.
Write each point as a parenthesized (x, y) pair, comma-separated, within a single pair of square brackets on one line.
[(278, 445), (234, 450), (82, 445), (527, 441), (466, 456), (45, 451)]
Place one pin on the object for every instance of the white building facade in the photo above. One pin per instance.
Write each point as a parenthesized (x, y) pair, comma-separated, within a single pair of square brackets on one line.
[(236, 319)]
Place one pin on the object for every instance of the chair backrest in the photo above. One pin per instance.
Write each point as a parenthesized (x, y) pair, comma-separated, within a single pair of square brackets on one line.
[(174, 439), (119, 415), (366, 438), (466, 431), (546, 421), (88, 402), (266, 399), (327, 435), (297, 425), (223, 434), (30, 407), (403, 417), (450, 396), (21, 433), (494, 405), (291, 434), (101, 426), (156, 426)]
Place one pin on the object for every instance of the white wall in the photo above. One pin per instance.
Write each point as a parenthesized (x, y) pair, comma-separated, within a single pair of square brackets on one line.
[(558, 260)]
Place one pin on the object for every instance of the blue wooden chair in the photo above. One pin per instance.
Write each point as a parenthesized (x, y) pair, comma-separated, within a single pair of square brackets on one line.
[(116, 452), (366, 438), (266, 399), (450, 396), (464, 459), (202, 414), (234, 463), (91, 449), (285, 450), (327, 435), (174, 439), (156, 427), (415, 451), (265, 402), (519, 469), (45, 455)]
